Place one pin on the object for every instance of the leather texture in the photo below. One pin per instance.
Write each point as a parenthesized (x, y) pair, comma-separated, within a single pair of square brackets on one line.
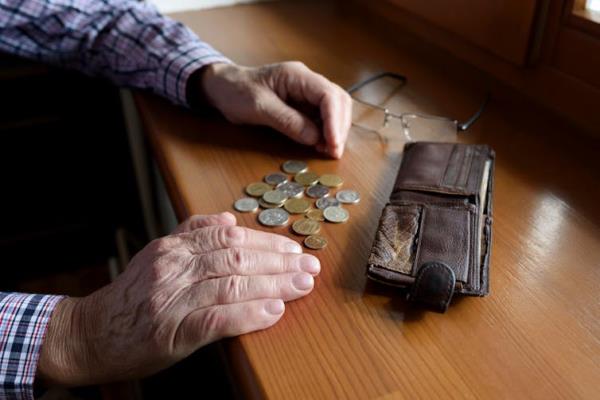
[(435, 222), (434, 286)]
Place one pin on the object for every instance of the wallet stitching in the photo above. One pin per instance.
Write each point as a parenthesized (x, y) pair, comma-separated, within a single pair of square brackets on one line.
[(444, 303), (473, 263), (466, 166), (442, 181), (419, 238)]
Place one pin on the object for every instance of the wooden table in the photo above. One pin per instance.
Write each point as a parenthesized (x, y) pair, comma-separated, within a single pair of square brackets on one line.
[(538, 333)]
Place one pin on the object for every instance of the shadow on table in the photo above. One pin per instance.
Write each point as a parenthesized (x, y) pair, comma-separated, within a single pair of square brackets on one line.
[(251, 139)]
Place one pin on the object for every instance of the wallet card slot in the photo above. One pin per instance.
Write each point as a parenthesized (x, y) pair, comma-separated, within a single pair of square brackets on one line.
[(444, 168), (446, 236), (394, 248), (457, 172)]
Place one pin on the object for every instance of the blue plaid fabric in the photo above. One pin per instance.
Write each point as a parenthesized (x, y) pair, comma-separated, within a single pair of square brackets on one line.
[(23, 322), (126, 41)]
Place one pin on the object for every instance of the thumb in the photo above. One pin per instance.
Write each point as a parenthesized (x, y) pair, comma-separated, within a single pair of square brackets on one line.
[(200, 221), (289, 121)]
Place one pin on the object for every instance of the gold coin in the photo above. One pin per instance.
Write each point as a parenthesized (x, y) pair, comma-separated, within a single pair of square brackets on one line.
[(306, 178), (315, 215), (306, 227), (315, 242), (274, 197), (264, 204), (331, 180), (257, 189), (296, 206)]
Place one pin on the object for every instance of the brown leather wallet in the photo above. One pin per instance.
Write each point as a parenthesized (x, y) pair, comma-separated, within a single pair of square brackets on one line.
[(434, 236)]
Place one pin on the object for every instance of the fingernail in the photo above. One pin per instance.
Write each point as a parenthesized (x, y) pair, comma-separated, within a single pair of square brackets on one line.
[(293, 248), (275, 307), (310, 264), (228, 215), (303, 281)]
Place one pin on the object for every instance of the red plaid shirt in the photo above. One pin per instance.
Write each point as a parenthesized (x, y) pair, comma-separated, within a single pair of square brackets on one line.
[(23, 322)]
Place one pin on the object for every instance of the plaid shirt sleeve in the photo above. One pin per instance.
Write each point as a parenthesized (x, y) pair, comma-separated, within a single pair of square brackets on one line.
[(126, 41), (23, 322)]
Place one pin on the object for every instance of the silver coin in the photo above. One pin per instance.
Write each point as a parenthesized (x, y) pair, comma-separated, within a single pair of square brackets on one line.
[(291, 189), (264, 204), (273, 217), (276, 178), (294, 166), (325, 202), (336, 214), (317, 191), (274, 197), (348, 196), (246, 204)]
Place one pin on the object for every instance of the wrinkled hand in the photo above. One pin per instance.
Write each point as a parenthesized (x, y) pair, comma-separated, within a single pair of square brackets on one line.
[(208, 280), (272, 94)]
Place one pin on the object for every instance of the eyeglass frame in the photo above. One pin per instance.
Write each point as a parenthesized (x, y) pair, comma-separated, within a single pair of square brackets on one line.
[(460, 127)]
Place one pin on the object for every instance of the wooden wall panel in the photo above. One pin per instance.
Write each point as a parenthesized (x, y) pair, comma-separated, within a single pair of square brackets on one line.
[(503, 27)]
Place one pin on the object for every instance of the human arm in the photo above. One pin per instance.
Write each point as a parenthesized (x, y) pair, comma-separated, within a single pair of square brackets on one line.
[(132, 44), (129, 42)]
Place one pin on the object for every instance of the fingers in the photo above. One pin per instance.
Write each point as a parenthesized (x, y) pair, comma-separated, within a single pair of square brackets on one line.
[(223, 237), (336, 112), (283, 118), (213, 323), (335, 105), (241, 261), (201, 221), (238, 289)]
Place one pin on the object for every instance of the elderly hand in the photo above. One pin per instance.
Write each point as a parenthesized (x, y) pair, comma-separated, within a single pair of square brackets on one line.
[(208, 280), (267, 95)]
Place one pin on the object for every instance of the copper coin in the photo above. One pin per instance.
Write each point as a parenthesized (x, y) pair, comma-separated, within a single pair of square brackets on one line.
[(315, 242)]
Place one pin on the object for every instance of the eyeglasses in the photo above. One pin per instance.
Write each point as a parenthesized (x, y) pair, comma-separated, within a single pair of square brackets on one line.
[(404, 127)]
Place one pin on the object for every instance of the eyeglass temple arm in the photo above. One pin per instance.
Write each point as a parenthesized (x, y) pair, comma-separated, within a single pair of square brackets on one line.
[(463, 126), (360, 85)]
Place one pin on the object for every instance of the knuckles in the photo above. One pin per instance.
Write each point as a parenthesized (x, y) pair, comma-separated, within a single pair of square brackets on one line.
[(294, 66), (231, 236), (236, 258), (229, 289), (163, 245)]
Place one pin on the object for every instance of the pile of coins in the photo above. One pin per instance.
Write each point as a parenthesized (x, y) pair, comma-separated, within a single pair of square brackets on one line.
[(299, 191)]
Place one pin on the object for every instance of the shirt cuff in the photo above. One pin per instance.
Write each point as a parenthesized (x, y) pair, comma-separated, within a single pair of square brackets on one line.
[(23, 322), (180, 64)]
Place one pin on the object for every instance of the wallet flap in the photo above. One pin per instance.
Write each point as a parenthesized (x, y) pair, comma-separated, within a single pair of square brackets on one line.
[(434, 286), (446, 168), (446, 237)]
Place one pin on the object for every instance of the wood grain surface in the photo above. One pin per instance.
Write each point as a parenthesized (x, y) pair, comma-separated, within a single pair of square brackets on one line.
[(537, 335)]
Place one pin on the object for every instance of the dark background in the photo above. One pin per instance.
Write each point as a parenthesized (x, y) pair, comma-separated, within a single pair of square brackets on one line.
[(67, 184)]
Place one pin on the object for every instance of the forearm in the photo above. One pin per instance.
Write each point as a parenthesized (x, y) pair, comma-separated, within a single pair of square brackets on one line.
[(65, 359), (129, 42)]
